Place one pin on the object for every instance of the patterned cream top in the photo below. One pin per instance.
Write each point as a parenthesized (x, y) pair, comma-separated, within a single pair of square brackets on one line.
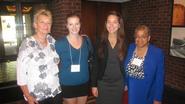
[(37, 67)]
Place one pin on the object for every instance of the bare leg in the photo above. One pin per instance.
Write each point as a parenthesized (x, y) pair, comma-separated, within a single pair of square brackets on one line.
[(82, 100), (70, 100)]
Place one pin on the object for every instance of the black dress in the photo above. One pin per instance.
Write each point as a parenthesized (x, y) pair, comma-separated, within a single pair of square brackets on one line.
[(110, 88)]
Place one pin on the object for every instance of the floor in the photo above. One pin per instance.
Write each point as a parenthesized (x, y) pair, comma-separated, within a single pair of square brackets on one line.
[(168, 99), (10, 93), (91, 100)]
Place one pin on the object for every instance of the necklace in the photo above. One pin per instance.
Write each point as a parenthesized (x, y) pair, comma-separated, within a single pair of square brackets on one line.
[(141, 52)]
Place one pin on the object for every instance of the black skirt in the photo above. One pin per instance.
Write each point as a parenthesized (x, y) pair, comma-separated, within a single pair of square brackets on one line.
[(75, 91)]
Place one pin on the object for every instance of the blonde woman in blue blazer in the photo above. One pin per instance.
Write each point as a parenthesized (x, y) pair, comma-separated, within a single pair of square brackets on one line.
[(144, 67)]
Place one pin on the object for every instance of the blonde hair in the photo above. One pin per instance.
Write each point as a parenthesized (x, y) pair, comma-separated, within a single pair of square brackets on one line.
[(42, 12), (144, 28)]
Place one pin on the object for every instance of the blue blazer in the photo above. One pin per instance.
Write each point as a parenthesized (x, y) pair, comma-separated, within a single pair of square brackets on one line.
[(153, 82)]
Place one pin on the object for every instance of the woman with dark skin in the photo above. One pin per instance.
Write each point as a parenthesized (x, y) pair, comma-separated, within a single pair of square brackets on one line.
[(144, 66)]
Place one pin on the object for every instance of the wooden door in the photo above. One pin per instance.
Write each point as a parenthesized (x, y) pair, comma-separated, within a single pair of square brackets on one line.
[(88, 19), (94, 15)]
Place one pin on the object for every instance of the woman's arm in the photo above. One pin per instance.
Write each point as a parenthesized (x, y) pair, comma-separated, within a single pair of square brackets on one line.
[(30, 99)]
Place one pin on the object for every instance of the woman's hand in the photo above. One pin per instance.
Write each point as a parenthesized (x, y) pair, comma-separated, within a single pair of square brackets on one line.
[(31, 100), (157, 102), (95, 91), (126, 88)]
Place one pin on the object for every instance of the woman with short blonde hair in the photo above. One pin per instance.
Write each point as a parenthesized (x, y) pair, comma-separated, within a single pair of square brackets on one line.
[(37, 63)]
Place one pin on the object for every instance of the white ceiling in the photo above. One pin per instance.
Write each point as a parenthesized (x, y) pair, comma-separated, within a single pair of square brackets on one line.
[(118, 1)]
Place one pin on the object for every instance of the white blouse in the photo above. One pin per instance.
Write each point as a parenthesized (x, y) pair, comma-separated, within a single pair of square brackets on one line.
[(37, 67)]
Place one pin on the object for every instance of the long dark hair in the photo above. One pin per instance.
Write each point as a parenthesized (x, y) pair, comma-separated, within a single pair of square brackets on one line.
[(121, 44)]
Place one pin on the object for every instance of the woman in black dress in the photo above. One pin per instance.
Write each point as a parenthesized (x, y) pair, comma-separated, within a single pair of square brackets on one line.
[(107, 75)]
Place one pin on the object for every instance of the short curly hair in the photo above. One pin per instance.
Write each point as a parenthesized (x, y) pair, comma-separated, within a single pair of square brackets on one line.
[(42, 12), (145, 28)]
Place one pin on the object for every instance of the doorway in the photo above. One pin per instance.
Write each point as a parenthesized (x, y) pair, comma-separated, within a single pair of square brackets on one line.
[(9, 34), (16, 24), (94, 15)]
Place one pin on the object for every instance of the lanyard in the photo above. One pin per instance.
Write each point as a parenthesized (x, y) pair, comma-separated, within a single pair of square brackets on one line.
[(71, 55)]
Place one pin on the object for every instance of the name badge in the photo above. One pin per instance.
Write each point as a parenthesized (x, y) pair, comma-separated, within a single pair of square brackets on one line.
[(137, 62), (75, 68)]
